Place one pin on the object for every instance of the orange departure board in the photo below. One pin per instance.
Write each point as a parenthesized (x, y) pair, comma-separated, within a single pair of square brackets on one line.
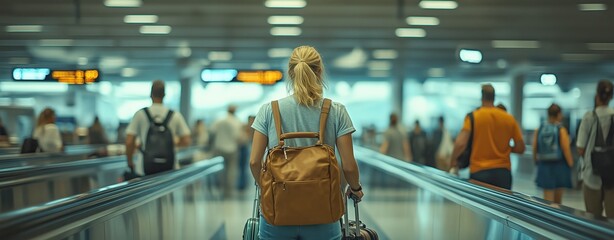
[(265, 77), (260, 76), (75, 76)]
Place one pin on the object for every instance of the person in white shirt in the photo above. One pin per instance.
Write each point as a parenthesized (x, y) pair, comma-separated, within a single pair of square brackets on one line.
[(139, 126), (47, 133), (228, 134), (445, 146), (598, 190)]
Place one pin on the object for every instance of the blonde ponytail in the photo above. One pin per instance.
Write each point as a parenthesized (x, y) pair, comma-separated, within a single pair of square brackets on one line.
[(305, 71)]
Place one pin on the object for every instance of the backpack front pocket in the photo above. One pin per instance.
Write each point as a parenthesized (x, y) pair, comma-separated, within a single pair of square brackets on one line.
[(302, 202)]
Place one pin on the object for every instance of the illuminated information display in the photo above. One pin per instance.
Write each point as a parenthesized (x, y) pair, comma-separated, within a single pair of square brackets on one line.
[(266, 77), (62, 76)]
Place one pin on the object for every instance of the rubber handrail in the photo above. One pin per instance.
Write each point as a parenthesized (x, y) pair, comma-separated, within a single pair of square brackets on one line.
[(20, 175), (569, 223), (36, 222)]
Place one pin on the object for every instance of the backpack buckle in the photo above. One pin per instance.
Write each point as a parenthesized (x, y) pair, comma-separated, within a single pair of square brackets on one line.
[(285, 154)]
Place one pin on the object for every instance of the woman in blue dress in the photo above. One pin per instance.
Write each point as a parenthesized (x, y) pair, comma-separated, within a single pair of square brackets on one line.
[(552, 154)]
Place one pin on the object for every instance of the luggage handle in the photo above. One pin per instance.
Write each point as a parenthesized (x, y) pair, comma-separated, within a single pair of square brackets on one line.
[(256, 210), (356, 215)]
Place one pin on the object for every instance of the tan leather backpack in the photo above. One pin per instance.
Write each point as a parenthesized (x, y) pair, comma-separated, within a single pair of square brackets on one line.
[(301, 185)]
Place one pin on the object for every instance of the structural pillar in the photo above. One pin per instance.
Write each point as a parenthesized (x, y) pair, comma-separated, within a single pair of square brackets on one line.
[(185, 100), (397, 96), (517, 97)]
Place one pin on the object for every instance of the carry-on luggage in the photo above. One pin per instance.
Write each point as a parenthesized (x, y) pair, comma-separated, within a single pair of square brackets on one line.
[(250, 231), (356, 230)]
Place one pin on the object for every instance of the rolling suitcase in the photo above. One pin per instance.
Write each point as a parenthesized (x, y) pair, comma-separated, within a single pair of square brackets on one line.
[(250, 231), (356, 230)]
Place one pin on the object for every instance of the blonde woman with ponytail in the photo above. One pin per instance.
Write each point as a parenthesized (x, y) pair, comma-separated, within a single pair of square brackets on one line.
[(47, 133), (300, 112)]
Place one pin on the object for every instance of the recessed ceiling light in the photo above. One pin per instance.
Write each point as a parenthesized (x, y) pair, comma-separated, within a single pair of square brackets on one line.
[(592, 7), (141, 19), (129, 72), (601, 46), (515, 44), (285, 3), (470, 56), (580, 57), (24, 28), (112, 62), (285, 20), (436, 72), (261, 66), (379, 65), (220, 56), (422, 21), (157, 29), (280, 52), (501, 63), (286, 31), (56, 42), (378, 73), (385, 54), (123, 3), (438, 4), (82, 61), (548, 79), (410, 32)]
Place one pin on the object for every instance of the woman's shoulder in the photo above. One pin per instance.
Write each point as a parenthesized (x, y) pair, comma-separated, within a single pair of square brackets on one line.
[(337, 105)]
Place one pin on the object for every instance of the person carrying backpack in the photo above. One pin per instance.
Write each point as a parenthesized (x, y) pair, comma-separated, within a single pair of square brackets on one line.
[(46, 136), (300, 179), (487, 133), (595, 143), (552, 155), (156, 127)]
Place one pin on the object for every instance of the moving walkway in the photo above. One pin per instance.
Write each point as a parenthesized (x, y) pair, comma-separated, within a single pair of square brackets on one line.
[(402, 201)]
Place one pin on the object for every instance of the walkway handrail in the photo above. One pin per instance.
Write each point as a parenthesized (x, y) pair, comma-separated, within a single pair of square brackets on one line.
[(49, 220), (72, 152), (20, 175), (518, 212)]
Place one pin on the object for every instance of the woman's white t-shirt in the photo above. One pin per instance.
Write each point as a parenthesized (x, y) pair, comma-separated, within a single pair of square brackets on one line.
[(586, 139), (49, 138)]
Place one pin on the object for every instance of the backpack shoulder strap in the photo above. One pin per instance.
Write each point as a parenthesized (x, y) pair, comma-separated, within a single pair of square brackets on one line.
[(148, 114), (168, 118), (538, 131), (610, 137), (277, 120), (472, 120), (323, 117), (600, 141)]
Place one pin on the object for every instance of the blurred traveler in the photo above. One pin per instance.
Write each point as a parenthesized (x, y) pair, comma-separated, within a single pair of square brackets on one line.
[(4, 135), (368, 137), (395, 143), (418, 143), (244, 153), (96, 133), (598, 185), (47, 133), (490, 153), (302, 112), (443, 146), (200, 134), (228, 135), (156, 128), (552, 153)]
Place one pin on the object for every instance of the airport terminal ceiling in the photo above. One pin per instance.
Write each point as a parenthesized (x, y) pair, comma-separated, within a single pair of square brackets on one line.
[(358, 38)]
